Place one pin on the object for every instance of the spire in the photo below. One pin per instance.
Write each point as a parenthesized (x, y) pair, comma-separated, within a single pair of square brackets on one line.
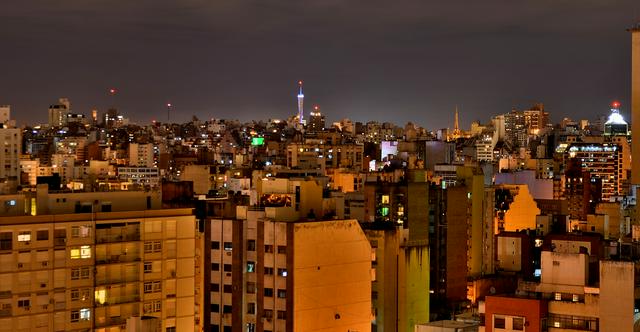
[(456, 128)]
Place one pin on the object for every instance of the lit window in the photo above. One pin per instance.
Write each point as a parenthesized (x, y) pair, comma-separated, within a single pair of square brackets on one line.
[(251, 267), (81, 252), (85, 314), (558, 296), (228, 246), (282, 272), (24, 236), (148, 267), (100, 296), (385, 199), (576, 298)]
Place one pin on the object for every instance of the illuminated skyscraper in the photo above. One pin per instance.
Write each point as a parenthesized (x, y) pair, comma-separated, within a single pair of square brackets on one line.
[(300, 103), (616, 125), (316, 120)]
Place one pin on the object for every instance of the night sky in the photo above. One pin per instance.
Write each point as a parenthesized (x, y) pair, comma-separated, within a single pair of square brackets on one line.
[(393, 61)]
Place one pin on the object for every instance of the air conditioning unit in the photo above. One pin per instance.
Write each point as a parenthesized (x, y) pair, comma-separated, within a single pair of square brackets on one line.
[(45, 263), (228, 274), (20, 265), (27, 308), (173, 273), (228, 253), (43, 285)]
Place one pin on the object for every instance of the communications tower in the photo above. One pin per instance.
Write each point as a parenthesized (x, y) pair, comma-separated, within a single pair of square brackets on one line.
[(300, 103)]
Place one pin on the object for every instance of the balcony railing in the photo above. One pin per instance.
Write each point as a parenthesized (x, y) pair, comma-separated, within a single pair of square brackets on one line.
[(118, 258), (119, 300), (116, 279), (111, 238)]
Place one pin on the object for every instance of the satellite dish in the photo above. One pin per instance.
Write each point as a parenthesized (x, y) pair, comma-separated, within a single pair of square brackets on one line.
[(492, 290)]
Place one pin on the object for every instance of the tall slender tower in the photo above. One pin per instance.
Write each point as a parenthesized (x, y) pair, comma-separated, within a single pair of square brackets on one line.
[(635, 104), (456, 124), (300, 103)]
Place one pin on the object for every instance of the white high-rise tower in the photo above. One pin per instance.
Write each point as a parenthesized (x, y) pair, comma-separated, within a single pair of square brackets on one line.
[(300, 103)]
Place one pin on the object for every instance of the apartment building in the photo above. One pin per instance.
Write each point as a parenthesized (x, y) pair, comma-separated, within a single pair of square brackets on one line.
[(604, 162), (270, 275), (321, 155), (141, 155), (93, 271)]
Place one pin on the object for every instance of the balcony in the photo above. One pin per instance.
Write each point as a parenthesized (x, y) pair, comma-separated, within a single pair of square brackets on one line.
[(114, 274), (108, 233), (112, 238), (111, 321), (119, 258), (119, 300)]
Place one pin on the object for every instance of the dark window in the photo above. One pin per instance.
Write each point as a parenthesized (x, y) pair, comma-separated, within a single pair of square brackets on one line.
[(215, 287), (215, 267), (228, 289), (215, 307), (227, 267), (268, 313), (268, 270), (215, 328), (227, 329), (282, 249), (282, 293), (498, 322), (215, 245), (228, 246), (106, 207), (227, 309), (518, 324), (268, 292), (59, 237), (251, 308), (42, 235), (6, 240), (268, 248), (251, 245), (282, 314), (251, 287)]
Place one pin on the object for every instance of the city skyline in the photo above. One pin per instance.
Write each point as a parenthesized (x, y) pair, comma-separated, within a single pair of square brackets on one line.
[(409, 62)]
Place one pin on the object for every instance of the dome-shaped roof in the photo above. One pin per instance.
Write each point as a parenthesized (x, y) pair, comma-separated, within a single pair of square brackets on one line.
[(615, 118)]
